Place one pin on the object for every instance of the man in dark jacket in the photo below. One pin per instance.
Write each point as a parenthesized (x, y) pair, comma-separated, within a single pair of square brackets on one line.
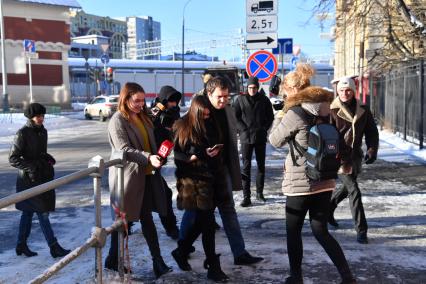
[(353, 121), (254, 117), (29, 155)]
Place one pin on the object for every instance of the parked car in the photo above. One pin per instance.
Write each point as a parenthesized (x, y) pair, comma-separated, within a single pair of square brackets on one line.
[(102, 107)]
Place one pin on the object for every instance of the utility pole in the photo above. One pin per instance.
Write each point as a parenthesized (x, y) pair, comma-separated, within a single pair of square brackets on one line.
[(3, 62)]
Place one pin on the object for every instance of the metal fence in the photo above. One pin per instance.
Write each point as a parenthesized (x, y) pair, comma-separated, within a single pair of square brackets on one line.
[(399, 101), (97, 240)]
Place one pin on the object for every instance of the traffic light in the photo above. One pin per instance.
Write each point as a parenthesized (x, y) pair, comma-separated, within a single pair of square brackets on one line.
[(94, 74), (110, 75)]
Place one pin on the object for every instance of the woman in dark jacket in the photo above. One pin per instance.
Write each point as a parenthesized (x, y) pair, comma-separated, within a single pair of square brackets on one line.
[(196, 160), (29, 155)]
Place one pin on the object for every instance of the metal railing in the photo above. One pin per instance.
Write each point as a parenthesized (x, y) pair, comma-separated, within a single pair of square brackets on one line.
[(399, 101), (96, 169)]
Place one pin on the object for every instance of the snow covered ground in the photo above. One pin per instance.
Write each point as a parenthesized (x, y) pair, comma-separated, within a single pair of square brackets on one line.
[(394, 198)]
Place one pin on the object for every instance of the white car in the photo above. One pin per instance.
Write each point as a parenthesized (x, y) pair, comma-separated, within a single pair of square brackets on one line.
[(102, 107)]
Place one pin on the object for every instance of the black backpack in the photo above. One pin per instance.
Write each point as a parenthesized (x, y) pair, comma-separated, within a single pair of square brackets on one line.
[(322, 155)]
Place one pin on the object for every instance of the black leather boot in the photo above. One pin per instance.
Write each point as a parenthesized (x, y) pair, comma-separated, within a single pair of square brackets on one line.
[(57, 251), (181, 259), (24, 249), (260, 197), (214, 271), (246, 202), (160, 267)]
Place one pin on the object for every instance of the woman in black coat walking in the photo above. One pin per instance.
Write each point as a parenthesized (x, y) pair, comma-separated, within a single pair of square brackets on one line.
[(197, 161), (29, 155)]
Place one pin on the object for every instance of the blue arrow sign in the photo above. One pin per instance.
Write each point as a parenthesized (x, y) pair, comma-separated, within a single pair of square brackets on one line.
[(29, 45), (105, 58), (285, 46)]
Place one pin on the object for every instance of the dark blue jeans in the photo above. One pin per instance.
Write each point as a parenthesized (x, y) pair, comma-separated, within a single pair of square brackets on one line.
[(25, 227), (229, 218)]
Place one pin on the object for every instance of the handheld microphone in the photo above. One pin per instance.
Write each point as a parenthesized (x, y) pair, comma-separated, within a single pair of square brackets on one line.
[(165, 149), (159, 107)]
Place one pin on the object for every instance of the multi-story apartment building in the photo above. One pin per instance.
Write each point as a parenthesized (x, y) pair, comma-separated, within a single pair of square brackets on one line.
[(139, 31), (83, 24)]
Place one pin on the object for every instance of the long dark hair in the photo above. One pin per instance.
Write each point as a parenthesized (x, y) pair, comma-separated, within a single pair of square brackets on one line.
[(128, 90), (191, 127)]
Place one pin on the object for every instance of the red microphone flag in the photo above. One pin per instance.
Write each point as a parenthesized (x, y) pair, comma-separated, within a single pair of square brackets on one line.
[(165, 149)]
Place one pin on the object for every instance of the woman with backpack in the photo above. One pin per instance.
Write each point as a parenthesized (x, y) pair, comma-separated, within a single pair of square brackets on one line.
[(305, 105)]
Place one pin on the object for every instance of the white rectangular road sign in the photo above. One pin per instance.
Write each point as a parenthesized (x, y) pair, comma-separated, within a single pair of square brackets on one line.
[(262, 24), (261, 7), (262, 41)]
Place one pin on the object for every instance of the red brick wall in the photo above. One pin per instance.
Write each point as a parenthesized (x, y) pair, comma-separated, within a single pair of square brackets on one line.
[(37, 29), (43, 75)]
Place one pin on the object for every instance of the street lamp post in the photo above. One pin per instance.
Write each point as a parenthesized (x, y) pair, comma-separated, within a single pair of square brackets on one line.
[(3, 61), (182, 102)]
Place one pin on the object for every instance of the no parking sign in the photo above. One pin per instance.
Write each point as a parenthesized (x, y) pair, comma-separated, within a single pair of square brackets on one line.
[(262, 64)]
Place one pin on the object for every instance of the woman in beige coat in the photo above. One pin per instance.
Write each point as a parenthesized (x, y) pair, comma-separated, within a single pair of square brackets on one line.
[(303, 194), (131, 130)]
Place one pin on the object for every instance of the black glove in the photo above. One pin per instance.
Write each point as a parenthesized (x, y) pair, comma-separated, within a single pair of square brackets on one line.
[(369, 159)]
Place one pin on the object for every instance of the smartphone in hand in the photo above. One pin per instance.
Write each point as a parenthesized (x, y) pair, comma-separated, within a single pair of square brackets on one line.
[(217, 146)]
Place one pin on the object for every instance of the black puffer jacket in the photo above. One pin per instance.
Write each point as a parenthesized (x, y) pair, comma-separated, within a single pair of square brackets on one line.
[(254, 118), (29, 155)]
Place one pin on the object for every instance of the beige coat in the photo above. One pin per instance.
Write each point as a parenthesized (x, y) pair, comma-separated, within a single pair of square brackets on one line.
[(126, 137), (317, 102)]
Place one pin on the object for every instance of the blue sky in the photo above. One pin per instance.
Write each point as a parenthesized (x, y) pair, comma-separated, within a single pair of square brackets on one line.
[(220, 16)]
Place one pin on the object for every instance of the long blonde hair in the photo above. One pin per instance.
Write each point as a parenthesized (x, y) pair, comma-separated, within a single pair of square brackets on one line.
[(299, 78)]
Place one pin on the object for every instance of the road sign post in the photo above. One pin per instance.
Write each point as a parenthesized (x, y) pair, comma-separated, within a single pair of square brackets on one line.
[(262, 64), (285, 46), (261, 24), (30, 52)]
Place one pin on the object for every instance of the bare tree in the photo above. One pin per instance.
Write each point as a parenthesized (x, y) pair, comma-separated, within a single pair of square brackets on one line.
[(395, 31)]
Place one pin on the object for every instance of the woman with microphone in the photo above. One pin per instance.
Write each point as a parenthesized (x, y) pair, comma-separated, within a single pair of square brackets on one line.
[(131, 130)]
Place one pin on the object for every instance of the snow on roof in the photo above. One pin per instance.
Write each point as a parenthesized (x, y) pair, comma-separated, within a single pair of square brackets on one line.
[(66, 3)]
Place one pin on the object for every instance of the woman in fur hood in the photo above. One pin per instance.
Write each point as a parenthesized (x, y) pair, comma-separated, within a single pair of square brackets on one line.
[(303, 194)]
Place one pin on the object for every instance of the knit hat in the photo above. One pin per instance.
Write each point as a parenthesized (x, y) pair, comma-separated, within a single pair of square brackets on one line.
[(346, 82), (253, 81), (34, 109), (169, 94)]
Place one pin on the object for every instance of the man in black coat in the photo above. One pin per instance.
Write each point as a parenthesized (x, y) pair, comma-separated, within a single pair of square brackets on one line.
[(254, 116), (29, 155)]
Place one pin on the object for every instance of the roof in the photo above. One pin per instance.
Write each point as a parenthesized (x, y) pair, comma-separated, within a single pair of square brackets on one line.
[(65, 3)]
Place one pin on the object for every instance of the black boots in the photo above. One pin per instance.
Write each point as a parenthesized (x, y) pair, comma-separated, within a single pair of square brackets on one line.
[(23, 249), (246, 202), (260, 197), (112, 264), (362, 238), (57, 251), (214, 271), (160, 267), (247, 259), (181, 259)]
